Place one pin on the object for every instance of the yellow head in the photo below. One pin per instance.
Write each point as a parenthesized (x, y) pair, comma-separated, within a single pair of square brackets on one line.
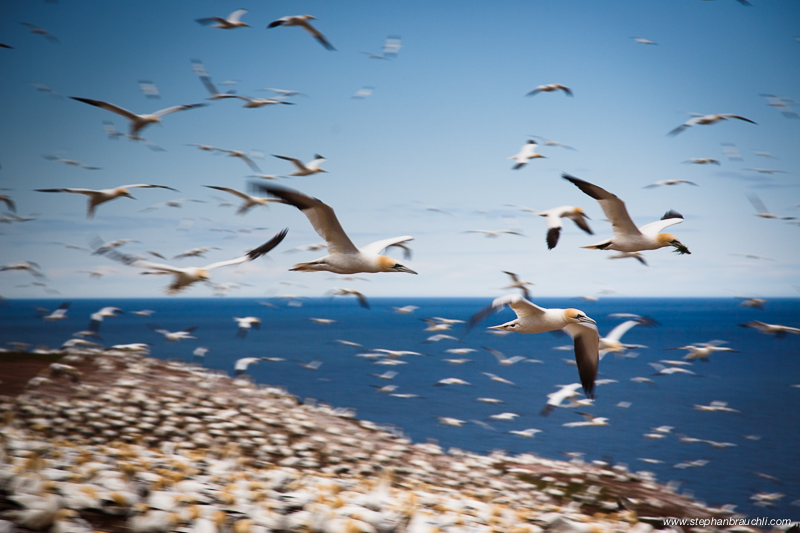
[(668, 239), (387, 264), (577, 316)]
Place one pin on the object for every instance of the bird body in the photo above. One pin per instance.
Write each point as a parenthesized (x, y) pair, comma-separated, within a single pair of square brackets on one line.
[(343, 256), (554, 217), (627, 237), (525, 154), (232, 21), (534, 319), (101, 196), (246, 324), (305, 169), (302, 22), (612, 342), (705, 120)]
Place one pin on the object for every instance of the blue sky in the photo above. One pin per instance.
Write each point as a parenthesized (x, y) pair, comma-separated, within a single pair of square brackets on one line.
[(443, 118)]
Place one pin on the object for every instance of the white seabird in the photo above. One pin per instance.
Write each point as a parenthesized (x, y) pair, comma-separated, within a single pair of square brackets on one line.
[(525, 154), (188, 275), (246, 324), (230, 22), (302, 21), (138, 122), (344, 257), (534, 319), (174, 336), (27, 266), (705, 120), (627, 237), (101, 196), (612, 341), (554, 217), (305, 169), (249, 201), (555, 399), (58, 314), (669, 182), (762, 210), (517, 283), (590, 420), (778, 330), (362, 300)]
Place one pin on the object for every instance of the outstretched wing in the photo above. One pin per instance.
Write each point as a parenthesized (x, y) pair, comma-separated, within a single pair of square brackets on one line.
[(620, 330), (613, 207), (176, 108), (670, 218), (252, 254), (587, 353), (378, 246), (108, 107)]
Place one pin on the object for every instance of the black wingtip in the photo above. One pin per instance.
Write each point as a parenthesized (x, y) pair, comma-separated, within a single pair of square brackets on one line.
[(671, 214), (267, 246)]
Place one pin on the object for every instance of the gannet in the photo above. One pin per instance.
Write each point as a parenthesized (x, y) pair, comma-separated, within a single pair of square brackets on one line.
[(344, 257), (590, 420), (705, 120), (766, 170), (704, 350), (502, 359), (629, 255), (554, 217), (771, 329), (58, 314), (756, 303), (662, 370), (27, 266), (240, 367), (555, 399), (138, 122), (550, 142), (612, 342), (495, 377), (9, 202), (70, 162), (525, 154), (302, 21), (96, 319), (36, 30), (305, 169), (642, 40), (703, 161), (186, 276), (254, 103), (232, 21), (205, 79), (448, 421), (246, 324), (196, 252), (405, 310), (669, 182), (494, 233), (527, 433), (762, 210), (362, 300), (174, 336), (627, 237), (504, 416), (149, 89), (177, 203), (249, 201), (452, 381), (716, 407), (534, 319), (101, 196), (549, 88), (101, 247)]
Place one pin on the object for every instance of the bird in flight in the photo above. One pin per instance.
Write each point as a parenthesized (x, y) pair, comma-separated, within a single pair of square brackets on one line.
[(705, 120), (232, 21), (101, 196), (305, 169), (302, 21), (137, 122), (550, 88)]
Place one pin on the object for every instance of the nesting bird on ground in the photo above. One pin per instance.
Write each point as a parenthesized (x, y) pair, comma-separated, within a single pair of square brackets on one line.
[(554, 217), (344, 257), (705, 120), (302, 21), (230, 22), (305, 169), (137, 122), (550, 88), (534, 319), (186, 276), (627, 237), (101, 196), (525, 154), (249, 201)]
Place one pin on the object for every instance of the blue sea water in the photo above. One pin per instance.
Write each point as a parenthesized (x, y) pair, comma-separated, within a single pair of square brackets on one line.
[(757, 380)]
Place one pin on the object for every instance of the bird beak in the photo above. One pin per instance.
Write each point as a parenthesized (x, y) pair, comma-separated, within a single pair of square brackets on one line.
[(680, 248), (495, 327), (587, 319), (400, 268)]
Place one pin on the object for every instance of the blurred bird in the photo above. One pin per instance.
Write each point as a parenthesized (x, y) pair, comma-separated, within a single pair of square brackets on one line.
[(36, 30), (612, 342), (705, 120), (771, 329), (642, 40), (28, 266), (232, 21), (527, 433), (10, 205), (149, 89), (702, 161), (554, 217), (253, 103), (534, 319), (58, 314), (173, 336), (517, 283), (669, 182), (302, 21), (550, 88), (96, 318), (627, 237), (249, 201), (756, 303), (99, 247), (762, 210), (632, 255), (205, 79), (363, 92), (186, 276), (305, 169), (525, 154), (766, 170), (246, 324), (196, 252), (241, 155), (502, 359), (344, 257), (494, 233), (362, 300), (555, 399), (589, 420), (70, 162), (101, 196), (240, 367), (137, 122)]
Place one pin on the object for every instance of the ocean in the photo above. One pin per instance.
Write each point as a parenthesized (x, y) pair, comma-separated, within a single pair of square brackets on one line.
[(760, 379)]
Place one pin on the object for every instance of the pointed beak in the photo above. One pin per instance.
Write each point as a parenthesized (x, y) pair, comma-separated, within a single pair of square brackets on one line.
[(495, 327), (587, 319), (401, 268), (680, 248)]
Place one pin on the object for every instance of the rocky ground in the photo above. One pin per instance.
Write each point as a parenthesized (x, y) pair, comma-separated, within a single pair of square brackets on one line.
[(112, 440)]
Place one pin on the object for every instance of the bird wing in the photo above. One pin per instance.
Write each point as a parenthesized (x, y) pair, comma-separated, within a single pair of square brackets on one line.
[(739, 117), (252, 254), (89, 192), (498, 354), (620, 330), (378, 246), (299, 164), (320, 214), (587, 343), (209, 85), (234, 192), (318, 159), (580, 221), (146, 186), (108, 107), (317, 35), (670, 218), (613, 207), (553, 228), (236, 15), (176, 108), (209, 20), (680, 128), (520, 305)]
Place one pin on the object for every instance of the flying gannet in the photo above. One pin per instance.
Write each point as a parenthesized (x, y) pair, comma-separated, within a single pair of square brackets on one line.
[(525, 154), (138, 122), (188, 275), (554, 217), (534, 319), (101, 196), (550, 88), (517, 283), (305, 169), (302, 21), (705, 120), (344, 257), (232, 21), (627, 237), (249, 201)]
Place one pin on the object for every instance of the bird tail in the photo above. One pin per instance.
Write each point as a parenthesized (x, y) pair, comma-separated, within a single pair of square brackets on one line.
[(305, 267), (599, 246)]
